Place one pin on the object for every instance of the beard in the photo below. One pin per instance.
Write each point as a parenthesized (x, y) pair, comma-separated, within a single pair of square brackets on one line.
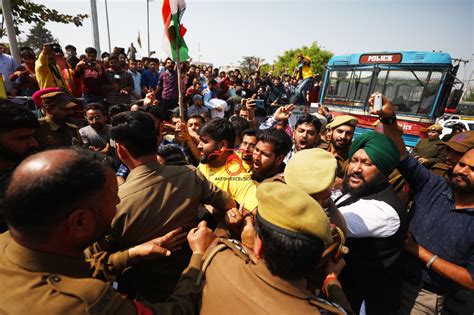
[(338, 146), (208, 157), (454, 179), (204, 158), (267, 173), (378, 183)]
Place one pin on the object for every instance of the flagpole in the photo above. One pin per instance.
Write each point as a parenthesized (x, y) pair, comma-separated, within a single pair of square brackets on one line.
[(148, 25), (180, 92)]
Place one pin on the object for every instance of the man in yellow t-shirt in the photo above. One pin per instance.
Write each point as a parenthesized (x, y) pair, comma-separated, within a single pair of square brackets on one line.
[(47, 71), (222, 166), (304, 75)]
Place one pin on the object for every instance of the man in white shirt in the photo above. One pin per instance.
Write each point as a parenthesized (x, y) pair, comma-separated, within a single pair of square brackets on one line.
[(376, 225), (219, 108)]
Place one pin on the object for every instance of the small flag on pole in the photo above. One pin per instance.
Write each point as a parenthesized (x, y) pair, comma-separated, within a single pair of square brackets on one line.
[(173, 33), (139, 40)]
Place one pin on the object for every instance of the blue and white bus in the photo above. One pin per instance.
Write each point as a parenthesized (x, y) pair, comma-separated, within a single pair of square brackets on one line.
[(418, 83)]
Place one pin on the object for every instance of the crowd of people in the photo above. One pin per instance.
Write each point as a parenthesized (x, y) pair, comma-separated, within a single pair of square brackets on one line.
[(227, 208), (120, 78)]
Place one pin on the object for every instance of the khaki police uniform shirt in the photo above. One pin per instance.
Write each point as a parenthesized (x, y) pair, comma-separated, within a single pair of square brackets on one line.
[(155, 200), (35, 282), (342, 159), (49, 135), (441, 169), (433, 150), (235, 286)]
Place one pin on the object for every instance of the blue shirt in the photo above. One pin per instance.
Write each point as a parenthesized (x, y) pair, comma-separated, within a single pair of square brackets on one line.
[(150, 80), (194, 110), (437, 225), (137, 80), (8, 65), (207, 96)]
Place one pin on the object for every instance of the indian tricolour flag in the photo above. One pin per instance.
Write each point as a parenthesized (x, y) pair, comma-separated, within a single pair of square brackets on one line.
[(173, 32)]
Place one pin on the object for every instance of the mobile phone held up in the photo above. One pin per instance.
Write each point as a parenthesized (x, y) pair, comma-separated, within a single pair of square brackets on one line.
[(378, 102)]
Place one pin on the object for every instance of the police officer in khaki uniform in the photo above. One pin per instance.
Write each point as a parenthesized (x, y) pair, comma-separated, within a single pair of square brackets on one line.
[(156, 199), (43, 269), (55, 130), (314, 171), (430, 150), (292, 231), (341, 134), (455, 149)]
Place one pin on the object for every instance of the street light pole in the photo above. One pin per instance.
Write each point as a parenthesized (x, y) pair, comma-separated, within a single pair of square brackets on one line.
[(95, 26), (7, 15), (108, 27), (148, 25)]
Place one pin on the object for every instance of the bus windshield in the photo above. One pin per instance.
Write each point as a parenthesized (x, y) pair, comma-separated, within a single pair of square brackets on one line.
[(411, 91)]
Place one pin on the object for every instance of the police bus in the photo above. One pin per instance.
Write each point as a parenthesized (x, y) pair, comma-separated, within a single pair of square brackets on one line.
[(418, 83)]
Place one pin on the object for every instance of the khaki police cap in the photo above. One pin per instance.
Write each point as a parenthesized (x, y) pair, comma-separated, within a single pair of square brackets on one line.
[(462, 142), (291, 211), (435, 127), (342, 120), (311, 170), (59, 99)]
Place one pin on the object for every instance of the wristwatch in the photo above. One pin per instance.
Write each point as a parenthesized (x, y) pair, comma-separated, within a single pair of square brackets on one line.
[(388, 121)]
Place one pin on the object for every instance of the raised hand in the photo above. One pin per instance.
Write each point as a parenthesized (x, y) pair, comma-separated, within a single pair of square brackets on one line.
[(283, 112)]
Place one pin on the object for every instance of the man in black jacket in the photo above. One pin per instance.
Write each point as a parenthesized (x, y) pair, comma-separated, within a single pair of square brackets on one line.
[(376, 224)]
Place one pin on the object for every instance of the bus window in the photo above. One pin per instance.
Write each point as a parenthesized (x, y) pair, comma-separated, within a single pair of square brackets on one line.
[(348, 88), (411, 92)]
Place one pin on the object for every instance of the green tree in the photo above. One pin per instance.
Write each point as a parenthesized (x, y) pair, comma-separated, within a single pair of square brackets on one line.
[(39, 35), (249, 64), (26, 11), (288, 61)]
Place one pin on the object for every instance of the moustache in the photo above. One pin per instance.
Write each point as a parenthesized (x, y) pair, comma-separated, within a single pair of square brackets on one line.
[(356, 175), (462, 177)]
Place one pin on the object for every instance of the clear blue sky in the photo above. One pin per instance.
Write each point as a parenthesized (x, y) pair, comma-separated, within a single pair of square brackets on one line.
[(226, 30)]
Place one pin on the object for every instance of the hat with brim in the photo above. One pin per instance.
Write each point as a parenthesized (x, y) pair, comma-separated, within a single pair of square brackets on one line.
[(435, 127), (291, 211), (462, 142), (59, 99), (311, 170), (343, 120)]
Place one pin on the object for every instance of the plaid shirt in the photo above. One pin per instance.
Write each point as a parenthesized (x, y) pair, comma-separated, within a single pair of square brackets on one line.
[(169, 85), (125, 81)]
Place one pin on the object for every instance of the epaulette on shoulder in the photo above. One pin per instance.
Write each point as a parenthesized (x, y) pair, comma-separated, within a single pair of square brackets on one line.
[(95, 294), (441, 166), (72, 125), (223, 244)]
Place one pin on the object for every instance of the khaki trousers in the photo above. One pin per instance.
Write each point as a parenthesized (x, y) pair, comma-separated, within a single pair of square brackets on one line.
[(418, 301)]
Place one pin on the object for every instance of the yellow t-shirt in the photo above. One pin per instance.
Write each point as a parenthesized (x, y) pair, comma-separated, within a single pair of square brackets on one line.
[(45, 77), (307, 72), (234, 179)]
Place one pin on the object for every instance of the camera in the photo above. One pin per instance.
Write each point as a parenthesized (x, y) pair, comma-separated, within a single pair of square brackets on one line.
[(56, 48), (90, 64)]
